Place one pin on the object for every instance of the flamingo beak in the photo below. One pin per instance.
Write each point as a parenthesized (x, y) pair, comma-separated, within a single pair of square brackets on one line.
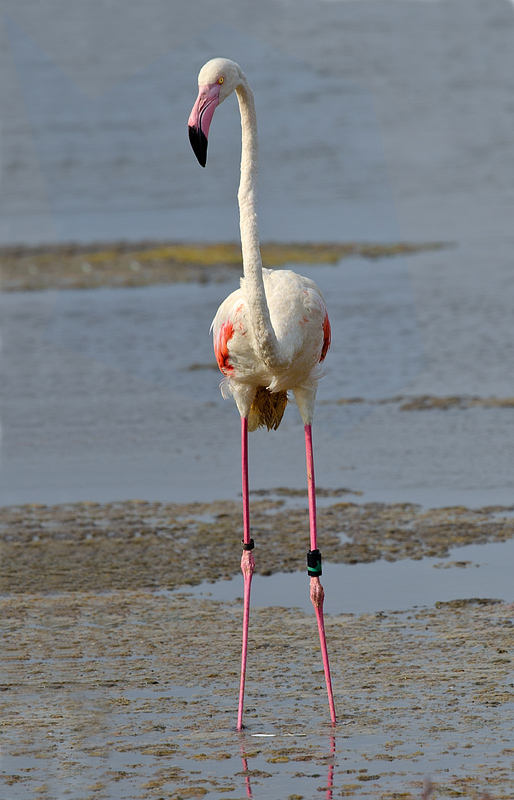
[(200, 119)]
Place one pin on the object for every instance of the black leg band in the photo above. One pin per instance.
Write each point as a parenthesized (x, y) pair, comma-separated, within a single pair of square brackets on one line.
[(314, 563), (248, 546)]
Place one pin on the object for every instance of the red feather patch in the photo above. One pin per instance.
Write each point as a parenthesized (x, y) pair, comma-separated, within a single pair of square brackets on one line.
[(327, 335), (221, 347)]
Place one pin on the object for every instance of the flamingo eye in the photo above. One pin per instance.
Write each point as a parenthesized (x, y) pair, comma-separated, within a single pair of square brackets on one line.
[(220, 80)]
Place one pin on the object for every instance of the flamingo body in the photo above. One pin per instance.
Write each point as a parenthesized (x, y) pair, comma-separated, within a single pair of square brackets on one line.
[(299, 318)]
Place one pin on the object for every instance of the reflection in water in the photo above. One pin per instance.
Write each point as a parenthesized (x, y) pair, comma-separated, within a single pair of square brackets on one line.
[(246, 772), (330, 776), (427, 792)]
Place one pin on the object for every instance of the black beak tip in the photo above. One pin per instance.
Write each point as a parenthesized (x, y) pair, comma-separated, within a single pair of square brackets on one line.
[(199, 144)]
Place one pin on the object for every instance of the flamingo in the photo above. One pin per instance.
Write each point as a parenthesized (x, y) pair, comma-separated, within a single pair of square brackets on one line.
[(270, 337)]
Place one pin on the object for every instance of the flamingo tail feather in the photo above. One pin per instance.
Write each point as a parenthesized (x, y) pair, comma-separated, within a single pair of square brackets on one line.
[(267, 409)]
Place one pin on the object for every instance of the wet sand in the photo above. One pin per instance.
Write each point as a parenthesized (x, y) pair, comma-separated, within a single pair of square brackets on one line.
[(110, 695), (112, 688)]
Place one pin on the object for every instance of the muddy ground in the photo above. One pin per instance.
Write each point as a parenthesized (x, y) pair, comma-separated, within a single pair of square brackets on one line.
[(111, 688), (143, 545)]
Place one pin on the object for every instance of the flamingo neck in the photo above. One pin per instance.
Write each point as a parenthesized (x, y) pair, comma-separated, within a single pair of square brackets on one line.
[(252, 262)]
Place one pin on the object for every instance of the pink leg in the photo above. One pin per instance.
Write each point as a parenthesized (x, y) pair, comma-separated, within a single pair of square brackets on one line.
[(247, 566), (314, 566)]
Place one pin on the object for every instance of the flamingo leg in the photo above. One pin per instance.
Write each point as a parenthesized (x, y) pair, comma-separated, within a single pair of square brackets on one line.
[(314, 569), (247, 565)]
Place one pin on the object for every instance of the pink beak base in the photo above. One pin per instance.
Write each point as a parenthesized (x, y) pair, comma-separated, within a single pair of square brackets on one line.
[(200, 119)]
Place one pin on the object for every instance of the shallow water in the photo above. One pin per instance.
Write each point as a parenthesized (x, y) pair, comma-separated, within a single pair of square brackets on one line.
[(97, 398), (366, 111), (155, 341), (470, 571), (118, 165), (99, 401)]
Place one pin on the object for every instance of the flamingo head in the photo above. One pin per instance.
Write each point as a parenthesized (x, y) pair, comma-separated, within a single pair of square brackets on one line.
[(216, 81)]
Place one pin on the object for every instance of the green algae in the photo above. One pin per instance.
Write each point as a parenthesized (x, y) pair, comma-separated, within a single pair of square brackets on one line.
[(123, 264)]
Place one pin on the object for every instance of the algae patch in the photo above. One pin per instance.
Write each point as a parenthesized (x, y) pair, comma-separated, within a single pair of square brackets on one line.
[(118, 265), (427, 402)]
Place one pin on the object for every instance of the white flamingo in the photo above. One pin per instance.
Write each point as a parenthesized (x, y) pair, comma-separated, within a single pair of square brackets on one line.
[(270, 336)]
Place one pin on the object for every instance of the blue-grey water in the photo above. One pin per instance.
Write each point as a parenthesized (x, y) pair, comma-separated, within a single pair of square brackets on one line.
[(374, 117), (378, 120), (118, 164), (472, 571)]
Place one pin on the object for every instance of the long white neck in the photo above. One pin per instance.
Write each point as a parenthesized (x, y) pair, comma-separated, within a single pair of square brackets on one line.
[(252, 263)]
